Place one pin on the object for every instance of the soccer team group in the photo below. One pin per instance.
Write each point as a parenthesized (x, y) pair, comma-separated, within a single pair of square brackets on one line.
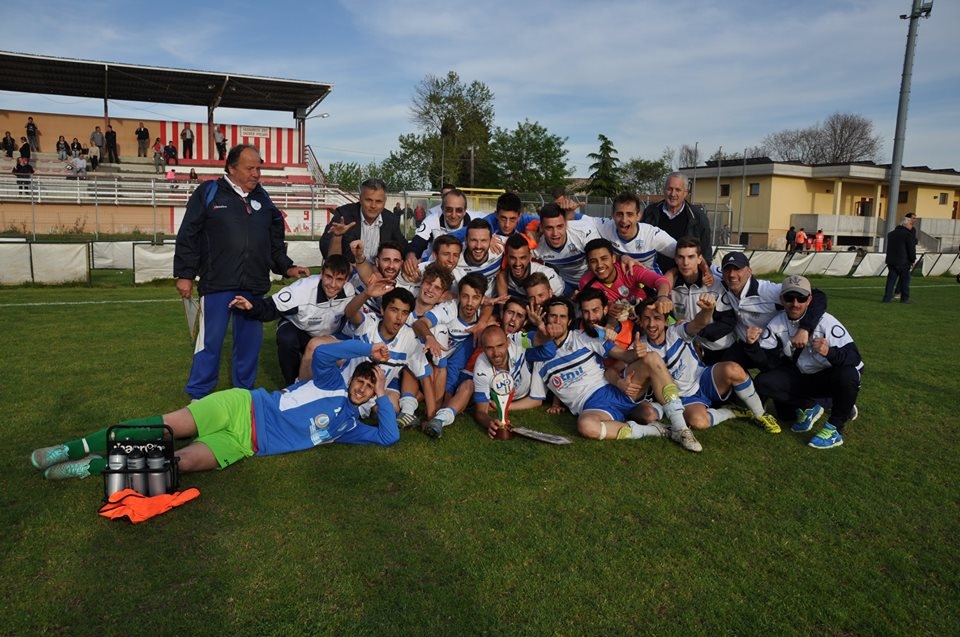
[(623, 322)]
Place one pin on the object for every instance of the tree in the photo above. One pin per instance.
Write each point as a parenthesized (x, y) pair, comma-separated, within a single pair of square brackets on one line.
[(451, 116), (605, 178), (345, 175), (842, 138), (645, 176), (528, 158), (689, 156)]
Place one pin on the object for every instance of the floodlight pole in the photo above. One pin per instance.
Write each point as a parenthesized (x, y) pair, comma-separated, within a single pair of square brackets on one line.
[(919, 10)]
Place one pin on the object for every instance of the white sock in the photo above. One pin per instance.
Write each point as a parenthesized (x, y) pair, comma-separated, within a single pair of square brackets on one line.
[(746, 392), (446, 416), (408, 404), (719, 414), (674, 412), (642, 431)]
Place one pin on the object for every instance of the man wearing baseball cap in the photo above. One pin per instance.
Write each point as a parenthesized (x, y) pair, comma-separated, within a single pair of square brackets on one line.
[(828, 367), (754, 302)]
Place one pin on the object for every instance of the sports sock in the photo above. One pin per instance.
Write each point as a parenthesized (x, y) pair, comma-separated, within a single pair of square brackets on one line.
[(408, 403), (97, 465), (674, 413), (446, 416), (636, 430), (718, 415), (96, 442), (670, 393), (748, 394)]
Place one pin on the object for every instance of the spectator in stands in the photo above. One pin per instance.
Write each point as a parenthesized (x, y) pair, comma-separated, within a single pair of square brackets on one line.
[(158, 156), (97, 139), (233, 255), (113, 156), (143, 140), (77, 167), (24, 172), (8, 145), (365, 220), (172, 178), (170, 154), (679, 218), (76, 148), (220, 140), (193, 178), (33, 134), (186, 139), (63, 148), (94, 155), (24, 148)]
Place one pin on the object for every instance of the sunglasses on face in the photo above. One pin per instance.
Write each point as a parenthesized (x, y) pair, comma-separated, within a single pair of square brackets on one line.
[(794, 297)]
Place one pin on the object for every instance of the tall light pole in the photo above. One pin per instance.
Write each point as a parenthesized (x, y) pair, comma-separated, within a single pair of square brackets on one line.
[(919, 10), (471, 148)]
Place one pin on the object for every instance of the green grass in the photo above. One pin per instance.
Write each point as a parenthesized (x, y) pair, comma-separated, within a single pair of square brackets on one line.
[(758, 535)]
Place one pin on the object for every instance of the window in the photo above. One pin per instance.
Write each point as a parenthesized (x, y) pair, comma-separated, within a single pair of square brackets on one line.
[(903, 197), (724, 190), (943, 199), (754, 189)]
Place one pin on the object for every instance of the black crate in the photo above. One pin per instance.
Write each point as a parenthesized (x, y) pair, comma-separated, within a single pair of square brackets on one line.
[(163, 441)]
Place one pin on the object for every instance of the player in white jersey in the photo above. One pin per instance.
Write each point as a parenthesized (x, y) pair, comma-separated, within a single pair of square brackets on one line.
[(386, 266), (519, 266), (406, 351), (500, 353), (451, 216), (477, 256), (829, 366), (700, 387), (572, 368), (691, 280), (308, 307), (562, 244), (633, 238)]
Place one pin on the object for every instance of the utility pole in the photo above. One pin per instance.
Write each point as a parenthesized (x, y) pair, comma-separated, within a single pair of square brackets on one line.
[(919, 10)]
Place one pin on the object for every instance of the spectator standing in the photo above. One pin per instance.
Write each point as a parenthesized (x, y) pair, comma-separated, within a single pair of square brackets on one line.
[(186, 139), (725, 233), (158, 156), (8, 145), (143, 140), (24, 172), (94, 154), (818, 240), (97, 139), (111, 142), (33, 134), (901, 255), (791, 239), (800, 241), (678, 218), (233, 251), (220, 141), (24, 148)]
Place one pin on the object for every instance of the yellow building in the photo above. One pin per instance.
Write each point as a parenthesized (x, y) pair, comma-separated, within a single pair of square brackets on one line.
[(762, 198)]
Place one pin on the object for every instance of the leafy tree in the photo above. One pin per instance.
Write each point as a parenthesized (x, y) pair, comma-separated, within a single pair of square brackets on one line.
[(605, 178), (451, 116), (528, 158), (345, 175), (646, 175)]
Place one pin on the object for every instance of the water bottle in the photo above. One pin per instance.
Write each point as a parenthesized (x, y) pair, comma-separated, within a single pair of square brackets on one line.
[(137, 465), (156, 473), (116, 461)]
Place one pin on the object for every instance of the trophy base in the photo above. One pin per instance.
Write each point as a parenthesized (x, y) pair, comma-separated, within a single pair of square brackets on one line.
[(504, 433)]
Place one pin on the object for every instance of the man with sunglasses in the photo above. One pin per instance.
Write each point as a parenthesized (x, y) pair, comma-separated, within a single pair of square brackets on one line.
[(828, 367)]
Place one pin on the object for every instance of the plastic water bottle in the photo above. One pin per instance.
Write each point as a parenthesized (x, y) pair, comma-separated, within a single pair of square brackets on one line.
[(116, 461), (156, 473)]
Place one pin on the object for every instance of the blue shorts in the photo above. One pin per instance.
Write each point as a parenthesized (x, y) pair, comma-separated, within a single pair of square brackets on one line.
[(612, 402), (707, 393)]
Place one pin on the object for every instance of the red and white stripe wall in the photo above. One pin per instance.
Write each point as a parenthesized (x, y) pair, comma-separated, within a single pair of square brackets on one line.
[(277, 145)]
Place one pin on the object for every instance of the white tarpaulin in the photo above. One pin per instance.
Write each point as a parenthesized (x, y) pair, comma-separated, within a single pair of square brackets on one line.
[(14, 263), (873, 264), (765, 262), (152, 262), (60, 262), (113, 255), (842, 264), (937, 264), (798, 263), (305, 253)]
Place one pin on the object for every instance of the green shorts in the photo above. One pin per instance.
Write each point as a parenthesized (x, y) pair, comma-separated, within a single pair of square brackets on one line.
[(224, 424)]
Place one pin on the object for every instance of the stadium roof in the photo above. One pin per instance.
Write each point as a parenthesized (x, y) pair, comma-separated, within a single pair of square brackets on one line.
[(107, 80)]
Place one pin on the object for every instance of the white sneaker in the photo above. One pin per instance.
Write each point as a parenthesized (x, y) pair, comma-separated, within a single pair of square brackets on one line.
[(686, 439)]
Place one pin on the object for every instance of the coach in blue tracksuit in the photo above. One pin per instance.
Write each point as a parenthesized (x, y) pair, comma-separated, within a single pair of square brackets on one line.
[(232, 241)]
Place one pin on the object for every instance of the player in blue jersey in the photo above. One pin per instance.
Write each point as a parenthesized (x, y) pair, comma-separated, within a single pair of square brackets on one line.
[(233, 424)]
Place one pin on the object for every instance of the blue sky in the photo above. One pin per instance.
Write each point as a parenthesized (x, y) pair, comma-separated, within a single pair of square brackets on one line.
[(648, 74)]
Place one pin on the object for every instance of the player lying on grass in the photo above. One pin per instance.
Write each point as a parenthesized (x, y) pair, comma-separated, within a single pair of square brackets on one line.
[(229, 425)]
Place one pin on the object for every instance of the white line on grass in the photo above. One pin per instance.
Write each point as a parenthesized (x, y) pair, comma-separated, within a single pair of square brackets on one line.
[(87, 302)]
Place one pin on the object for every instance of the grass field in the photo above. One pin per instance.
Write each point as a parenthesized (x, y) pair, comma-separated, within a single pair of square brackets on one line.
[(758, 535)]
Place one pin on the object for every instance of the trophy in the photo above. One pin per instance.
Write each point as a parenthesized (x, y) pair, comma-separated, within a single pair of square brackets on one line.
[(501, 394)]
